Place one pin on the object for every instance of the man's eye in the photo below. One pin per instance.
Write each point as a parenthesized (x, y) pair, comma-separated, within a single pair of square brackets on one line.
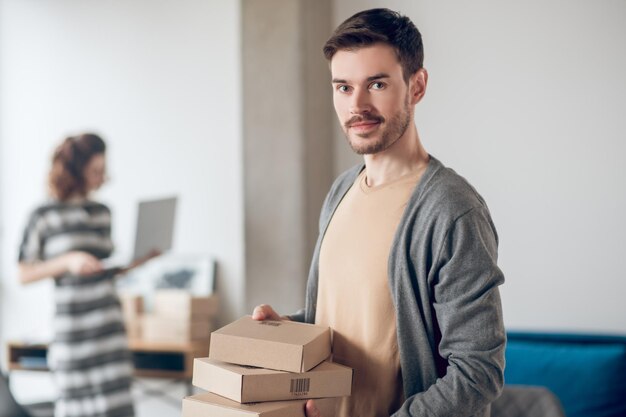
[(343, 88), (377, 85)]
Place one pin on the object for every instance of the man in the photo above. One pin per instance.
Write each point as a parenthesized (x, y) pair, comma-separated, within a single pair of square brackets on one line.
[(404, 270)]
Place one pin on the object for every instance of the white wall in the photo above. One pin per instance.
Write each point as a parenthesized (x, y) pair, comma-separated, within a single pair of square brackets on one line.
[(160, 81), (526, 100)]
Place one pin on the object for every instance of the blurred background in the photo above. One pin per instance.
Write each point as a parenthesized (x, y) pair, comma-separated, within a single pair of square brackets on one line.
[(228, 105)]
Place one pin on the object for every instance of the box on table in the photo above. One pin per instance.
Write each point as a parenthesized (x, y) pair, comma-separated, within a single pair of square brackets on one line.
[(209, 404), (132, 305), (133, 328), (182, 304), (165, 329), (246, 384), (132, 310), (282, 345)]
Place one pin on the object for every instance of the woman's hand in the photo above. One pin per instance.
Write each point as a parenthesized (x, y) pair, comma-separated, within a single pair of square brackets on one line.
[(82, 263), (138, 262)]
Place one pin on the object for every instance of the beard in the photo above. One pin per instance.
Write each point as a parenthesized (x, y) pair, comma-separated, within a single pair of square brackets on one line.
[(392, 130)]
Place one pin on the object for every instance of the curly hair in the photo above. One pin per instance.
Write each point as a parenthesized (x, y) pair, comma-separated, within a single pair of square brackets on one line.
[(69, 160)]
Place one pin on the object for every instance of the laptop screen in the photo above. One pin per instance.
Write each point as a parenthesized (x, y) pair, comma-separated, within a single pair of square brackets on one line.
[(155, 226)]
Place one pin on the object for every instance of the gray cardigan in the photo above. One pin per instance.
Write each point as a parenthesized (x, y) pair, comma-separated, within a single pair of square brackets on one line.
[(444, 282)]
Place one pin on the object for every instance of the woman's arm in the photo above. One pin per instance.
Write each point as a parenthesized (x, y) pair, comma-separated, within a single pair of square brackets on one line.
[(77, 263)]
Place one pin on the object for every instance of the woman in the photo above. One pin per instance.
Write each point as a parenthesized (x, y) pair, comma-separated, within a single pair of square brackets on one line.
[(65, 239)]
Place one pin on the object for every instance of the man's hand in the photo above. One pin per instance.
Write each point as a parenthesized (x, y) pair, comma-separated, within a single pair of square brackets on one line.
[(265, 312), (311, 409)]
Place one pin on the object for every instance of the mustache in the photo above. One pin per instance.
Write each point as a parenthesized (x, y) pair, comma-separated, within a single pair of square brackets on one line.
[(364, 118)]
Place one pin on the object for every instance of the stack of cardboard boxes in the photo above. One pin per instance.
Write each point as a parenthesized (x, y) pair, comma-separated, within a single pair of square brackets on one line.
[(267, 368), (176, 317), (132, 311)]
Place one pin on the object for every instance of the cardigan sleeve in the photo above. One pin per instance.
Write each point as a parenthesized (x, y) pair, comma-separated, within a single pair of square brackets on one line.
[(468, 314)]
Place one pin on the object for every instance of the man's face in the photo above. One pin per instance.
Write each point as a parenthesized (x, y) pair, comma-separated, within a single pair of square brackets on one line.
[(371, 98)]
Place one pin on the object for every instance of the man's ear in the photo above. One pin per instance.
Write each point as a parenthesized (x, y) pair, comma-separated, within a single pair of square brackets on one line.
[(417, 85)]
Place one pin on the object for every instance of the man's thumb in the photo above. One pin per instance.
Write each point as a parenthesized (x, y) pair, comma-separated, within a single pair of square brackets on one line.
[(312, 410)]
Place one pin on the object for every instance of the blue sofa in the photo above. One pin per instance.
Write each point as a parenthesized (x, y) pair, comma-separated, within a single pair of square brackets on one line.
[(586, 372)]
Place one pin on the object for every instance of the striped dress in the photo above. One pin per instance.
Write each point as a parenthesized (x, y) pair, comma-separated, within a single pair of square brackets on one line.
[(89, 355)]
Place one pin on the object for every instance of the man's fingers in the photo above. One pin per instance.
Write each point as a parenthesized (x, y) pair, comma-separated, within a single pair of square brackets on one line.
[(264, 312), (311, 409), (259, 312)]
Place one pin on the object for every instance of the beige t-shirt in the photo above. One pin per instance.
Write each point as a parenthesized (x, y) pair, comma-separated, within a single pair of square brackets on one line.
[(353, 294)]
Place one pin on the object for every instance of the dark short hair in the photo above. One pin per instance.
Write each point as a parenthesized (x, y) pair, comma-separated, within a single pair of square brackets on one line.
[(380, 26), (69, 160)]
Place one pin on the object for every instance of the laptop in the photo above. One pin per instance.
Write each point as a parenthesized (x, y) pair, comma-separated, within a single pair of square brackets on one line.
[(154, 233)]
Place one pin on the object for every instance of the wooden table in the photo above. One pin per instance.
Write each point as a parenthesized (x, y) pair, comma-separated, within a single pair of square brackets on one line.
[(151, 359), (170, 361)]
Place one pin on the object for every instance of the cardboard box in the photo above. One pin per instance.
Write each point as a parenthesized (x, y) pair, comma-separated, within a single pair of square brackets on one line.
[(282, 345), (181, 304), (246, 384), (132, 306), (165, 329), (132, 310), (133, 328), (209, 405)]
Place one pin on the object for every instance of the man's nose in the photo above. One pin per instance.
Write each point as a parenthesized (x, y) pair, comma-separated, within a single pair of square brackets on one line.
[(360, 102)]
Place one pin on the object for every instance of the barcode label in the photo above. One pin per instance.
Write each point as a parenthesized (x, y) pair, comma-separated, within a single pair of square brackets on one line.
[(300, 386), (270, 323)]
